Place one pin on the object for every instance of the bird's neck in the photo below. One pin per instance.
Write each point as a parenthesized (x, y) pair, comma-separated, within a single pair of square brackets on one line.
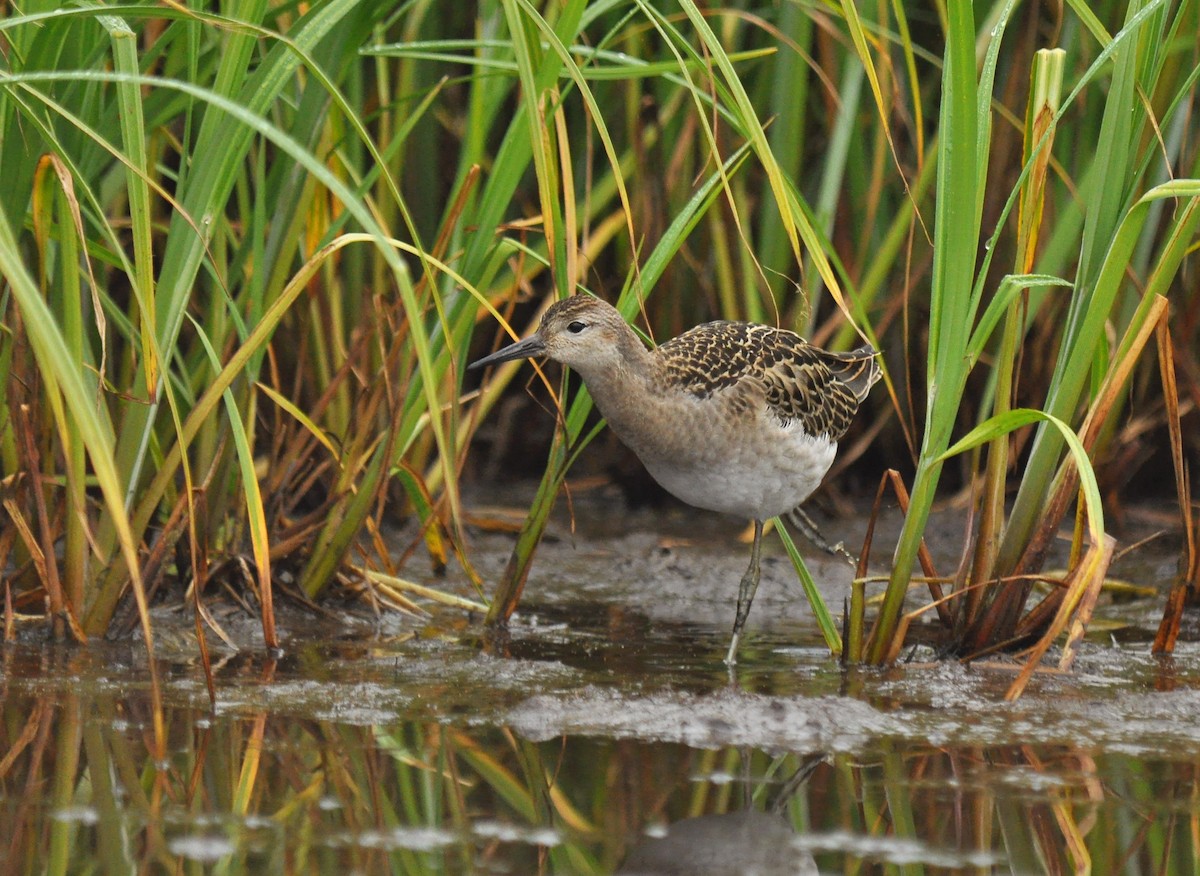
[(622, 389)]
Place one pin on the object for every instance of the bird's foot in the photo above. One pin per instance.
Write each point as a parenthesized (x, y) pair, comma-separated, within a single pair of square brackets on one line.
[(808, 527)]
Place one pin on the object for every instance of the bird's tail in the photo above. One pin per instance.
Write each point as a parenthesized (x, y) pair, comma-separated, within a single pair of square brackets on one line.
[(858, 369)]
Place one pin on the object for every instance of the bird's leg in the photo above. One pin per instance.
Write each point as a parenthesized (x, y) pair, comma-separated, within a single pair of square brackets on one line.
[(746, 592), (808, 527)]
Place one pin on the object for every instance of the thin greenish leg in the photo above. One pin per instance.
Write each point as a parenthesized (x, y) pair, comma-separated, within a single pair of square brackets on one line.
[(746, 592)]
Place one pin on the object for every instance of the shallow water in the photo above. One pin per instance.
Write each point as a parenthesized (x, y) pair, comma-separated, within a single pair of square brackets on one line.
[(602, 735)]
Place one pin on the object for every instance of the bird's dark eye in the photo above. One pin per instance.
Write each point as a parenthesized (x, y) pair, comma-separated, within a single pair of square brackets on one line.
[(576, 327)]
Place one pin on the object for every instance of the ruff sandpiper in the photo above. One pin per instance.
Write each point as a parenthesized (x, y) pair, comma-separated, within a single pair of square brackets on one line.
[(729, 416)]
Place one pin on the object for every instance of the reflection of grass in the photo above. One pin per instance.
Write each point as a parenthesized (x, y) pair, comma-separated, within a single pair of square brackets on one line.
[(245, 261), (260, 791)]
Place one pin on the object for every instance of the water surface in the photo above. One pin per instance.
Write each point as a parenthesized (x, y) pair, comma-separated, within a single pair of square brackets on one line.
[(602, 735)]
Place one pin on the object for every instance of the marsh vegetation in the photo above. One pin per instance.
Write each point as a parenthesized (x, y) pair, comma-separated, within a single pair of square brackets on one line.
[(247, 253)]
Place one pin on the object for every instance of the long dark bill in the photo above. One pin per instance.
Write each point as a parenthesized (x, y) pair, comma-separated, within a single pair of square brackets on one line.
[(529, 348)]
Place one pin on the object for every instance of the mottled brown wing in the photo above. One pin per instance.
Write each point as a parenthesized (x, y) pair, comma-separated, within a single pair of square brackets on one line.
[(798, 381)]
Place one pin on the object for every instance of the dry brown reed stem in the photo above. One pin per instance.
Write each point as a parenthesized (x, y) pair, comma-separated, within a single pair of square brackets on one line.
[(1187, 588), (1082, 588), (10, 630), (897, 643)]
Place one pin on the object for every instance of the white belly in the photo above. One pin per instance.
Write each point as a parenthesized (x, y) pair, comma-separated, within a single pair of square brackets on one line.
[(752, 480), (725, 452)]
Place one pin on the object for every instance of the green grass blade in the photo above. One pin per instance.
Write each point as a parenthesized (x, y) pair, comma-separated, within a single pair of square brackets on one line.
[(829, 630), (956, 235)]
